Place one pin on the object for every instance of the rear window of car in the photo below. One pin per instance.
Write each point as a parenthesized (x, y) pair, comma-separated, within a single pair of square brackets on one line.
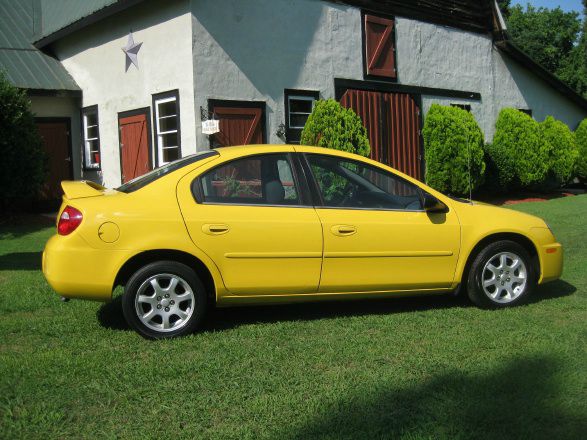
[(142, 181)]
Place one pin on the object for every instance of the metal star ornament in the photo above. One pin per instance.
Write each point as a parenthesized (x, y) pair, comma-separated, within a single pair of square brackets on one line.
[(131, 52)]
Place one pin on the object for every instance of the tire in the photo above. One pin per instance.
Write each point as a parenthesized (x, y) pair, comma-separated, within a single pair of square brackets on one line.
[(501, 275), (164, 299)]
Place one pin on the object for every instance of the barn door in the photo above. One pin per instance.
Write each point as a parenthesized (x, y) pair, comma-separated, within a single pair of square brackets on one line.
[(56, 144), (241, 123), (135, 148), (393, 126)]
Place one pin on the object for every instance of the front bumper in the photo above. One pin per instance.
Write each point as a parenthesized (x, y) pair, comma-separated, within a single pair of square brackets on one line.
[(76, 270), (551, 263), (550, 254)]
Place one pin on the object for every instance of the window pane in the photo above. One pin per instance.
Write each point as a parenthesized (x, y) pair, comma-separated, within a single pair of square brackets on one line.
[(94, 146), (170, 154), (300, 105), (168, 123), (168, 140), (92, 132), (355, 185), (297, 121), (167, 108), (91, 119), (286, 179), (266, 179)]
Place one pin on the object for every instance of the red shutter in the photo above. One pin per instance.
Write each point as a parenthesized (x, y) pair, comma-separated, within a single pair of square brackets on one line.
[(134, 146), (379, 46), (238, 126)]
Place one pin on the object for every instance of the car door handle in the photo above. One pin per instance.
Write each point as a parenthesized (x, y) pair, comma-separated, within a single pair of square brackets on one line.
[(343, 230), (215, 229)]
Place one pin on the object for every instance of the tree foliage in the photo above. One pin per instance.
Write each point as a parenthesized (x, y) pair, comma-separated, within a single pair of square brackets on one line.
[(518, 152), (581, 137), (555, 39), (453, 145), (332, 126), (562, 150), (22, 168)]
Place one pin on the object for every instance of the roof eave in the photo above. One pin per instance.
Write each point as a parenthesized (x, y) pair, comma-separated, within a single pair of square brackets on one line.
[(83, 22)]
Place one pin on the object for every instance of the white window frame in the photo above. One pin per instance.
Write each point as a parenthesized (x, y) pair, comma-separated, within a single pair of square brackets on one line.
[(89, 163), (157, 101), (297, 95), (298, 98)]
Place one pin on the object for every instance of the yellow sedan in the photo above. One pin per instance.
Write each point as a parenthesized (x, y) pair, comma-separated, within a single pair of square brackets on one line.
[(266, 224)]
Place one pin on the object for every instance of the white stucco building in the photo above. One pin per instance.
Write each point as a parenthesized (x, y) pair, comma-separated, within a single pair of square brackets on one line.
[(257, 66)]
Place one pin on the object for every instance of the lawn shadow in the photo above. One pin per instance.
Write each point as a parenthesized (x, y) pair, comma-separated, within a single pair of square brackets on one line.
[(21, 261), (229, 318), (518, 399), (552, 290), (110, 315), (18, 227), (218, 319)]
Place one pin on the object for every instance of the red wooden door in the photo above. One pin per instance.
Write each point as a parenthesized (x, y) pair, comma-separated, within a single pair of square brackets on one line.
[(238, 125), (55, 136), (393, 125), (134, 146)]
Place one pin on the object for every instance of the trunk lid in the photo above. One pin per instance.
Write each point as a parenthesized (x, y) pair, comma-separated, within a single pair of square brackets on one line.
[(81, 189)]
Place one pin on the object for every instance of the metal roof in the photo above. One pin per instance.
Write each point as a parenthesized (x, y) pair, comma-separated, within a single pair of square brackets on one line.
[(59, 18), (57, 14), (25, 66)]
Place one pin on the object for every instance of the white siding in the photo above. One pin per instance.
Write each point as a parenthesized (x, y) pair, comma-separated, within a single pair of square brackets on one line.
[(95, 59)]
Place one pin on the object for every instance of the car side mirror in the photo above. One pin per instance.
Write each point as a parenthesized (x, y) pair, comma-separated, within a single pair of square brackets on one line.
[(433, 205)]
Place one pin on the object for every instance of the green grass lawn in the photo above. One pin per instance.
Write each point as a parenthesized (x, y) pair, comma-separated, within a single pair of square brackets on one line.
[(425, 368)]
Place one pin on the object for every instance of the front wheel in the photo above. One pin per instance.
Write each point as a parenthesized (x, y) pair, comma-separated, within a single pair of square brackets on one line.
[(501, 275), (164, 299)]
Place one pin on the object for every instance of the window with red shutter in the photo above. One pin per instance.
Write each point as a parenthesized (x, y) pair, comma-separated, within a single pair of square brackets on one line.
[(379, 46)]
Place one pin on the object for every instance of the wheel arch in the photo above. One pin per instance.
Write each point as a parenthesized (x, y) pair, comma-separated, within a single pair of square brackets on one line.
[(521, 239), (139, 260)]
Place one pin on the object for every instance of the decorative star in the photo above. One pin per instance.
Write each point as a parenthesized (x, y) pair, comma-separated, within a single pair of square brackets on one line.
[(131, 50)]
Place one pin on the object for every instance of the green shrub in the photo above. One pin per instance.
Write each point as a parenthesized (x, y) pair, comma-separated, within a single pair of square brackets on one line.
[(22, 168), (518, 152), (581, 137), (453, 144), (332, 126), (562, 150)]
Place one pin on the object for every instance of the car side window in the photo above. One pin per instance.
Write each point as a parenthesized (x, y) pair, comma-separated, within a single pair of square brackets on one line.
[(256, 180), (350, 184)]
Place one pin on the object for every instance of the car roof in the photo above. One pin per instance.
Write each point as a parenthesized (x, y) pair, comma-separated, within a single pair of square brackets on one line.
[(237, 151)]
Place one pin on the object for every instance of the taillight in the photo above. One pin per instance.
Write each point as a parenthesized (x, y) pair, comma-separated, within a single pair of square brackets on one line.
[(69, 221)]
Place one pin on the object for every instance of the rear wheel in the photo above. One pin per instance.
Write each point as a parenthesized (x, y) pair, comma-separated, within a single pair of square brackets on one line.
[(501, 275), (164, 299)]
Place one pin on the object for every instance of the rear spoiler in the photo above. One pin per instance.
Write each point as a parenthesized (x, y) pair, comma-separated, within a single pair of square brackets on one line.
[(81, 189)]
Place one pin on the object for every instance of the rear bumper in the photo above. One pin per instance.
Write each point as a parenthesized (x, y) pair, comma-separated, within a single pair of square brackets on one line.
[(75, 270)]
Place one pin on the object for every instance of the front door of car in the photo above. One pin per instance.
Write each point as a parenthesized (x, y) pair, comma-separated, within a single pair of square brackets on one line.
[(249, 218), (377, 237)]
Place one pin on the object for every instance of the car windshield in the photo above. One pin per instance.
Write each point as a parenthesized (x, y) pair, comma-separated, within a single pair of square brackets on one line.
[(142, 181)]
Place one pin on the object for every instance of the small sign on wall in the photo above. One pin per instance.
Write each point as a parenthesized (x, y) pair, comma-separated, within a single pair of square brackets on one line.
[(211, 126)]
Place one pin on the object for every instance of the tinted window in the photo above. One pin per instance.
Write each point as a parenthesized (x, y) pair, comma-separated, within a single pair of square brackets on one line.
[(256, 180), (157, 173), (350, 184)]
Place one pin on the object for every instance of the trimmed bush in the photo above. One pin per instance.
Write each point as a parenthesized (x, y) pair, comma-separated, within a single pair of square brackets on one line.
[(519, 153), (562, 150), (453, 144), (22, 168), (332, 126), (581, 137)]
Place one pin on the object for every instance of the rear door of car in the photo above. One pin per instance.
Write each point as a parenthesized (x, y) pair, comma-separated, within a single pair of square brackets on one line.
[(251, 216)]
